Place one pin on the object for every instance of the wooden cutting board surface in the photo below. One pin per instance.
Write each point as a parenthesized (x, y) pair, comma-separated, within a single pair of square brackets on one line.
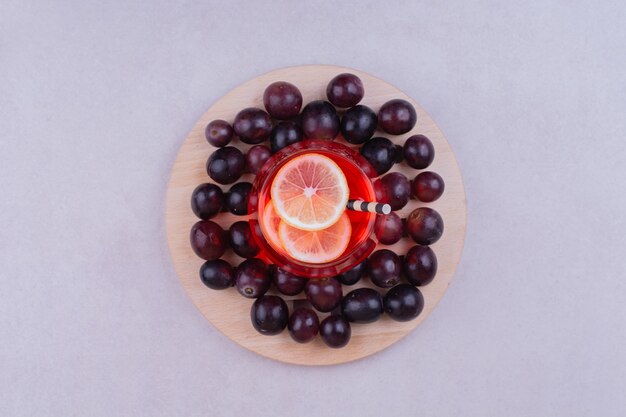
[(228, 311)]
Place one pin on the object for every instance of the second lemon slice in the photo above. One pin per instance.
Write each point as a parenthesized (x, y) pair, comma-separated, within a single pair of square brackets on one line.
[(316, 247)]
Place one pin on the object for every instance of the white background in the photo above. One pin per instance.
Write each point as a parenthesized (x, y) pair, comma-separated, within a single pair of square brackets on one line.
[(97, 96)]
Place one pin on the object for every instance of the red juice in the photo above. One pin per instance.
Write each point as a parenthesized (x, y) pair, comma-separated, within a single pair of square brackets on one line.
[(357, 172)]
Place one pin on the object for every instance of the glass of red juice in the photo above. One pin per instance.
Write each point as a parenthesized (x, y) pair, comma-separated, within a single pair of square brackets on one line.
[(358, 172)]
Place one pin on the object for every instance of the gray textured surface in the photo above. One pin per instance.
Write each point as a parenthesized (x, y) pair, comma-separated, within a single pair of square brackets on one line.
[(96, 97)]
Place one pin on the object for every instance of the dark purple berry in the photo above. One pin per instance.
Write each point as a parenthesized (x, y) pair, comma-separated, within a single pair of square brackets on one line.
[(256, 157), (208, 240), (358, 124), (419, 151), (282, 100), (269, 315), (217, 274), (425, 226), (319, 120), (345, 90), (380, 152), (252, 125), (353, 276), (207, 200), (324, 294), (335, 331), (286, 282), (384, 268), (427, 186), (226, 165), (218, 133), (394, 189), (285, 134), (420, 265), (252, 278), (403, 302), (397, 116), (303, 325), (241, 240), (363, 305), (237, 198), (388, 228)]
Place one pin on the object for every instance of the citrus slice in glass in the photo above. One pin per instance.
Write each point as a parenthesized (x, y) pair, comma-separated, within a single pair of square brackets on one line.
[(270, 222), (310, 192), (316, 246)]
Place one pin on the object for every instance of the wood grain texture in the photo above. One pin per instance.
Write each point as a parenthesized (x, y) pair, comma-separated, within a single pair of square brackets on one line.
[(227, 310)]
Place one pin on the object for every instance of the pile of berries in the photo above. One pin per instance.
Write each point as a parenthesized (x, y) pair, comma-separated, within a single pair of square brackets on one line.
[(282, 123)]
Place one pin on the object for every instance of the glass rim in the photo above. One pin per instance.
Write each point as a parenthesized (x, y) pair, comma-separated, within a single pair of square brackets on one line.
[(348, 259)]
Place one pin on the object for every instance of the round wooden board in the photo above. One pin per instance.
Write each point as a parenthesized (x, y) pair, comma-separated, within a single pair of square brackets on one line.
[(230, 312)]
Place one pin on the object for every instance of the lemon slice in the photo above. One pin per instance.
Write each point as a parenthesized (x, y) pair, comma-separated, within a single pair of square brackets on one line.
[(310, 192), (269, 225), (316, 246)]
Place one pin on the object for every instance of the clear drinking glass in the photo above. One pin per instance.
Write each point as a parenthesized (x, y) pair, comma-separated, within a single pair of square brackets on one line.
[(358, 172)]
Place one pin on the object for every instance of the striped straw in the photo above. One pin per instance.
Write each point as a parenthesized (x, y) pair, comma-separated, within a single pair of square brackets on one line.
[(368, 206)]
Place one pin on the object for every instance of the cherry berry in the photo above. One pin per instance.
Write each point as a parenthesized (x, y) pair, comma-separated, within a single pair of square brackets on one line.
[(319, 120), (427, 186), (208, 240), (207, 200), (419, 151), (252, 125), (345, 90), (256, 157), (388, 228), (324, 294), (403, 302), (252, 278), (394, 188), (217, 274), (303, 325), (269, 315), (385, 268), (397, 116), (425, 226), (241, 240), (286, 282), (335, 331), (420, 265), (353, 276), (282, 100), (218, 133), (226, 165)]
